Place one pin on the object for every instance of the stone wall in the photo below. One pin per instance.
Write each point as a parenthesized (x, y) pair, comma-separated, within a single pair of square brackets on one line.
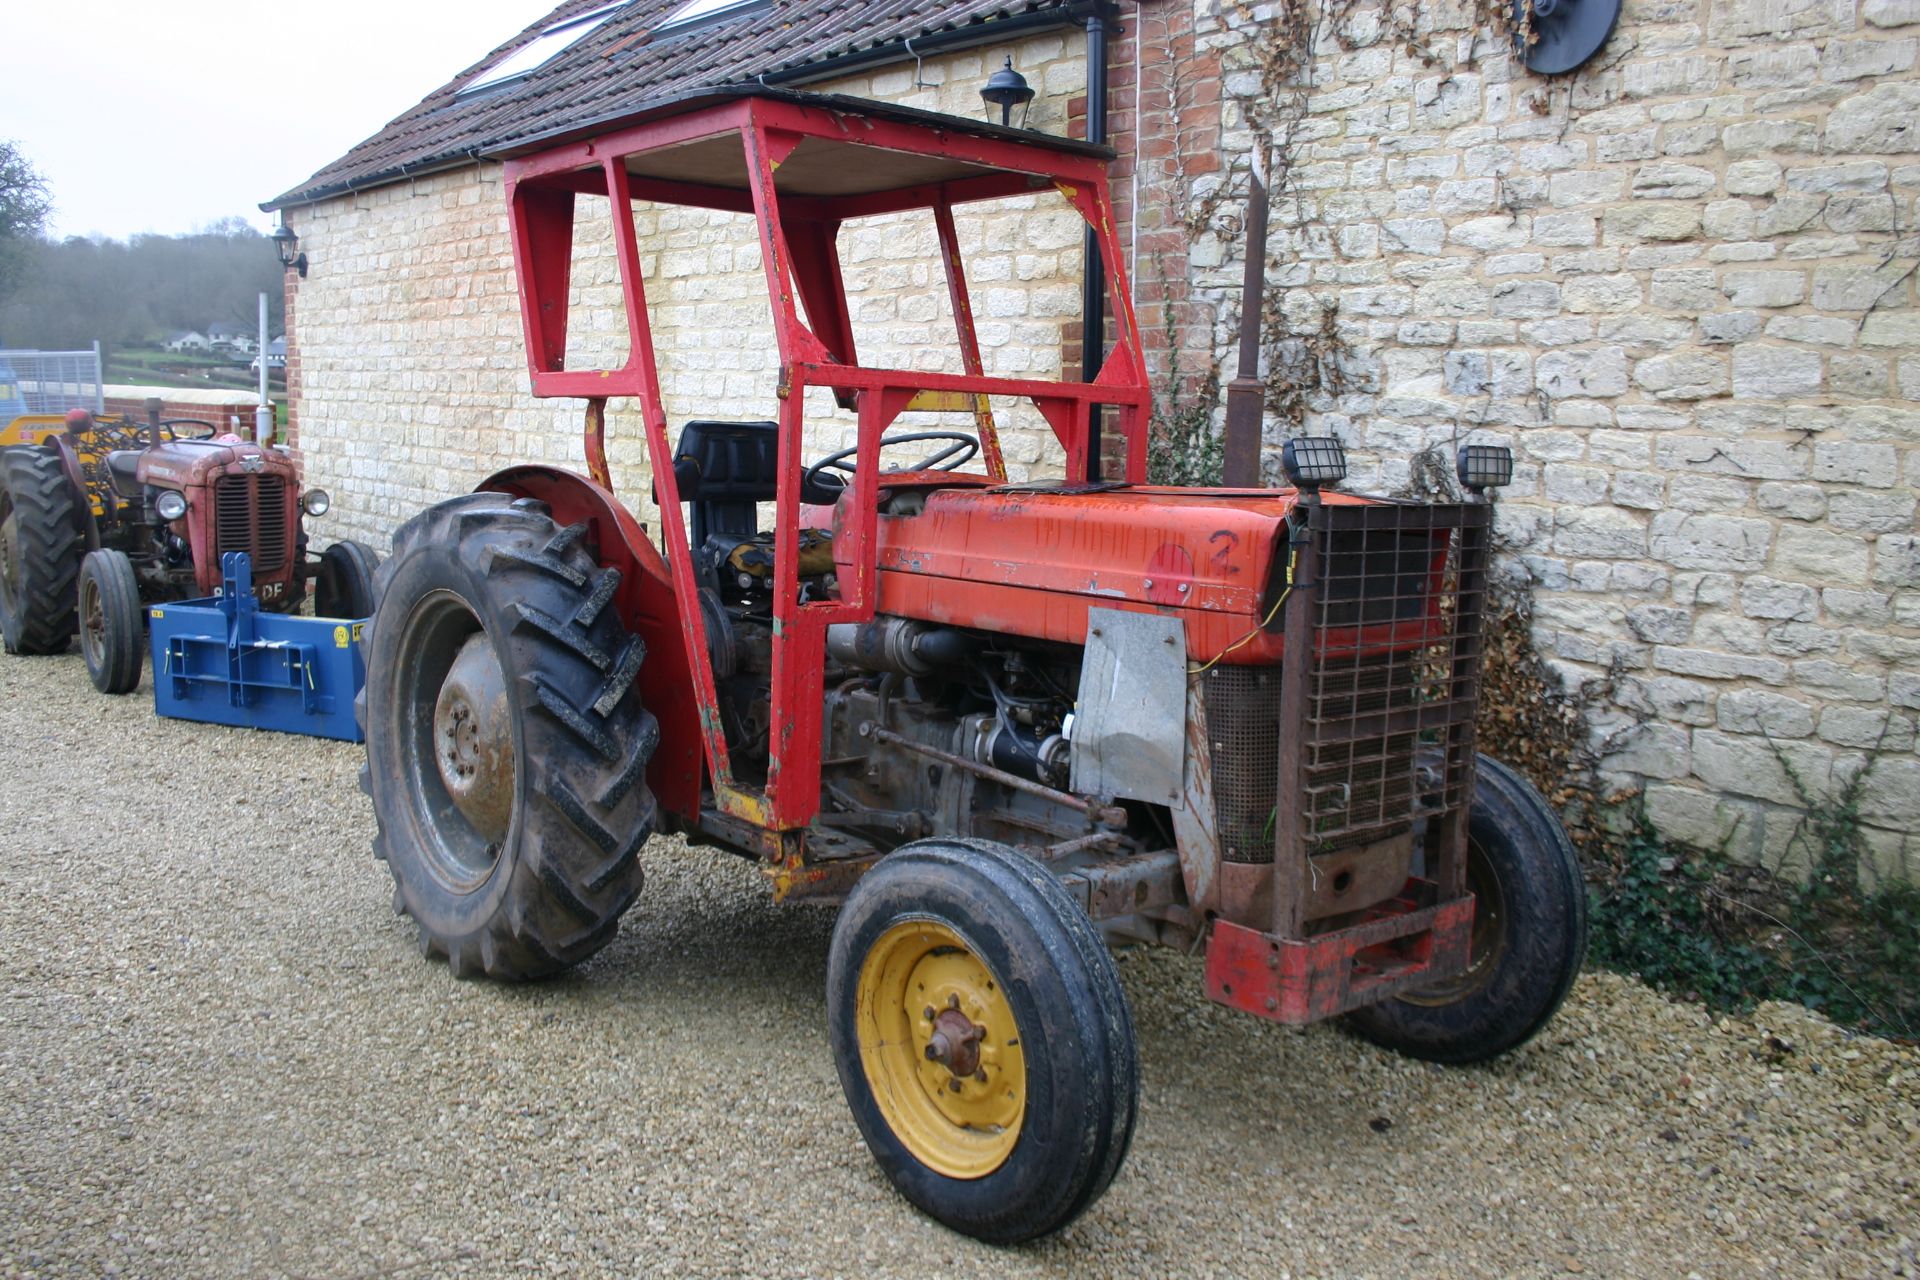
[(1681, 284), (408, 373)]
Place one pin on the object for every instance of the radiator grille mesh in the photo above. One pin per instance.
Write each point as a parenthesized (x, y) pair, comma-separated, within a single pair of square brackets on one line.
[(1243, 733), (1394, 665), (250, 515)]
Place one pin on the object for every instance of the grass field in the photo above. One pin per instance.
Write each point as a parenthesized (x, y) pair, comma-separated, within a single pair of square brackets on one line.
[(156, 367)]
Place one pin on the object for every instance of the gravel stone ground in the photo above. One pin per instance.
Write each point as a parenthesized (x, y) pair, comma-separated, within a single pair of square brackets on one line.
[(221, 1055)]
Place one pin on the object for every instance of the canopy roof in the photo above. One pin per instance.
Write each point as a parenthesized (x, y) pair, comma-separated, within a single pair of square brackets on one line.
[(847, 165)]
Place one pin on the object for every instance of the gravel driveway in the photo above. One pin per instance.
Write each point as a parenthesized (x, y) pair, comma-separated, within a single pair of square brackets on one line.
[(220, 1055)]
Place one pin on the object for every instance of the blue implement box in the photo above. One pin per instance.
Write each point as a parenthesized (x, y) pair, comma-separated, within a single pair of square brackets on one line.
[(221, 660)]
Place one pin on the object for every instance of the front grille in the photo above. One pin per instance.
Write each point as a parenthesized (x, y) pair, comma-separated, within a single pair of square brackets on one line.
[(1392, 676), (1392, 596), (250, 515)]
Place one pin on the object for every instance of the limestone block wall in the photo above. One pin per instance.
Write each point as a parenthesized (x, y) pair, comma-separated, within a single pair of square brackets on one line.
[(1681, 284), (407, 370)]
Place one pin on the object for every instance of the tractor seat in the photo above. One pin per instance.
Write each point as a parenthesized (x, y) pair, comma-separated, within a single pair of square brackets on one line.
[(123, 469)]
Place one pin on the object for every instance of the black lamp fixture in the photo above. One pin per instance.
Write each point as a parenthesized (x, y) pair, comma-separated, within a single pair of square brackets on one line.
[(1313, 461), (1484, 466), (286, 242), (1006, 89)]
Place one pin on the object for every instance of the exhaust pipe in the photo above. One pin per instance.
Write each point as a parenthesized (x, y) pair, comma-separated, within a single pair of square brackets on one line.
[(1246, 394)]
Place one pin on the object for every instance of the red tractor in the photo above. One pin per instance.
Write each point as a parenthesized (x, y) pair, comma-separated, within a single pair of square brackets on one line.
[(1001, 724), (99, 519)]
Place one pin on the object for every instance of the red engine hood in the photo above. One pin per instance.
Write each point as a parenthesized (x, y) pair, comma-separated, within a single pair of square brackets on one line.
[(1032, 563), (182, 464)]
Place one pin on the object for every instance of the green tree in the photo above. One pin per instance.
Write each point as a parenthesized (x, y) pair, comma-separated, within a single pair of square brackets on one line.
[(24, 206)]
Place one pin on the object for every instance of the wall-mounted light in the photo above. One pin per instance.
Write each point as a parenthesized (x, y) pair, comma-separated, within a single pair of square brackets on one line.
[(1007, 89), (287, 242)]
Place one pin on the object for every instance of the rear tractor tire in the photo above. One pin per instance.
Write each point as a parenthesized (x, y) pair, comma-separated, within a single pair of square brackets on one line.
[(113, 622), (982, 1038), (40, 549), (345, 586), (1529, 935), (506, 744)]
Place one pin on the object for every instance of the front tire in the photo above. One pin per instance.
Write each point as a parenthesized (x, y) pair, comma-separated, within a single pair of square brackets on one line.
[(506, 744), (40, 549), (345, 585), (982, 1038), (1529, 937), (113, 624)]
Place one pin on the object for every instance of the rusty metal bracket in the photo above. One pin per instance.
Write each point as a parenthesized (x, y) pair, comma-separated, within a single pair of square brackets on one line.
[(1126, 886), (1411, 942)]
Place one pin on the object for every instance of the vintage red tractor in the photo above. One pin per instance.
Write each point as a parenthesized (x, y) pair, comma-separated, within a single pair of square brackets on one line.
[(99, 519), (1002, 724)]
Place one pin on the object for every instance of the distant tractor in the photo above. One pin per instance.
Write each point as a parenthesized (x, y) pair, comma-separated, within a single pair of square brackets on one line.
[(99, 518), (999, 723)]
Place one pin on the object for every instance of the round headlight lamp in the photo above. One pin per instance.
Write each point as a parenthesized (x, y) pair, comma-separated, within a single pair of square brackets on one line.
[(171, 504), (316, 502)]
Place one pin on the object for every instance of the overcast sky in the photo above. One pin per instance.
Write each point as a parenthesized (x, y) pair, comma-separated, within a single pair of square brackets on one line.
[(161, 116)]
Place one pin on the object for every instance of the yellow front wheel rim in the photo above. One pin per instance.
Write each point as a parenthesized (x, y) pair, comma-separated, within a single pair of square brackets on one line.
[(941, 1050)]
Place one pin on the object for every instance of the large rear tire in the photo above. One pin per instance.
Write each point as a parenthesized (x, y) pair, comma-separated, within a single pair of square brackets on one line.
[(1529, 935), (40, 549), (982, 1038), (113, 624), (506, 744)]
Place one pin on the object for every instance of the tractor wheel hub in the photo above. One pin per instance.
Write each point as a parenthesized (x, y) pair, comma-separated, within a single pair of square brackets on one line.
[(955, 1042), (473, 739)]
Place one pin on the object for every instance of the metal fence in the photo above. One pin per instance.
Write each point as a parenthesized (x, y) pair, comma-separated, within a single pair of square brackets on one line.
[(50, 381)]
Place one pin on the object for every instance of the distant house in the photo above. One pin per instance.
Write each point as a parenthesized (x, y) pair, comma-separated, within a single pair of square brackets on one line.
[(187, 340), (276, 356), (229, 337)]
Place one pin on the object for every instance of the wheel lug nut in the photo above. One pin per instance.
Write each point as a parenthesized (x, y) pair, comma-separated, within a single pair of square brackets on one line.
[(981, 1075), (954, 1085)]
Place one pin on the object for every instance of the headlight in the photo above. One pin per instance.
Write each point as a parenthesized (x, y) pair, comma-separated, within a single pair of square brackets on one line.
[(1485, 466), (316, 502), (171, 504), (1312, 461)]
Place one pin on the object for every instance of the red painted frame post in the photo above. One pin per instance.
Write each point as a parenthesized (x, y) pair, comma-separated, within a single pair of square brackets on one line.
[(541, 196)]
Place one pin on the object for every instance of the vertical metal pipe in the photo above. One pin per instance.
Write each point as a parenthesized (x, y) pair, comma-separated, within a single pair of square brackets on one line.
[(263, 416), (1246, 395), (1093, 274)]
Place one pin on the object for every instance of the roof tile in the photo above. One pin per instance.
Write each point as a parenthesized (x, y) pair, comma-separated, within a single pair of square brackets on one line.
[(619, 67)]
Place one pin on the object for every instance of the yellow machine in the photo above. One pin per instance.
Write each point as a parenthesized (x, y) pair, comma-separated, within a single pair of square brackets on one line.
[(90, 447)]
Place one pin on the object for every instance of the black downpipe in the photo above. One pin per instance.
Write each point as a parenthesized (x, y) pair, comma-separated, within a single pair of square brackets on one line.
[(1093, 273)]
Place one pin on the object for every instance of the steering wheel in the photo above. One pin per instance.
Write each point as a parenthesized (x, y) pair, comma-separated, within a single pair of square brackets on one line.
[(171, 427), (960, 449)]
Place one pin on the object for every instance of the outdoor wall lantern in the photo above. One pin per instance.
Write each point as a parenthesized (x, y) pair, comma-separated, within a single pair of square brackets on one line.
[(1006, 89), (286, 242)]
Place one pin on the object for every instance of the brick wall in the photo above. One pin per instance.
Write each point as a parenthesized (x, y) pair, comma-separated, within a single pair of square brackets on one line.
[(1680, 284), (229, 410)]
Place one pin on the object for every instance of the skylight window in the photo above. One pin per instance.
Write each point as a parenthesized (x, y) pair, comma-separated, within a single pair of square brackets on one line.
[(702, 13), (543, 48)]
